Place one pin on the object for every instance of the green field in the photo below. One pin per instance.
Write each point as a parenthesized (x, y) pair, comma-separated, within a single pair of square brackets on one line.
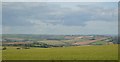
[(106, 52), (52, 42), (98, 43)]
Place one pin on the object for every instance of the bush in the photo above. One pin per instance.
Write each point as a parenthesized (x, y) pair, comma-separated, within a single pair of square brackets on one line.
[(18, 48), (4, 48)]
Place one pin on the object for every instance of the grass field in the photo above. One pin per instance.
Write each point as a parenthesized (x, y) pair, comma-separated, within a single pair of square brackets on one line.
[(98, 43), (53, 42), (106, 52)]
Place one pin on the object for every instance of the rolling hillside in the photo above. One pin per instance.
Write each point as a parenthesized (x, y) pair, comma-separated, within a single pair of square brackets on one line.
[(106, 52)]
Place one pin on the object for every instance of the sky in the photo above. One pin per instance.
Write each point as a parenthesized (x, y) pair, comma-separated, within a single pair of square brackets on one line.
[(60, 18), (59, 0)]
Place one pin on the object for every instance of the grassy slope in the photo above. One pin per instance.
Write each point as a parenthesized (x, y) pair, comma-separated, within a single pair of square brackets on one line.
[(108, 52), (0, 53), (98, 43), (53, 42)]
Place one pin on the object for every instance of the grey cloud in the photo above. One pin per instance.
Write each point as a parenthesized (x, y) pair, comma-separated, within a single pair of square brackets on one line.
[(19, 14)]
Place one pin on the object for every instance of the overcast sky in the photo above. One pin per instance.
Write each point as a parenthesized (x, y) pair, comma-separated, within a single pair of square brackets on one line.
[(60, 18), (59, 0)]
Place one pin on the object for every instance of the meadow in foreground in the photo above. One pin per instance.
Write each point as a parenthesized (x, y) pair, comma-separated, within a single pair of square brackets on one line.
[(106, 52)]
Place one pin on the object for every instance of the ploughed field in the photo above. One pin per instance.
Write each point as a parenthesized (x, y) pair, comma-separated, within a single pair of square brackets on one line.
[(105, 52)]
